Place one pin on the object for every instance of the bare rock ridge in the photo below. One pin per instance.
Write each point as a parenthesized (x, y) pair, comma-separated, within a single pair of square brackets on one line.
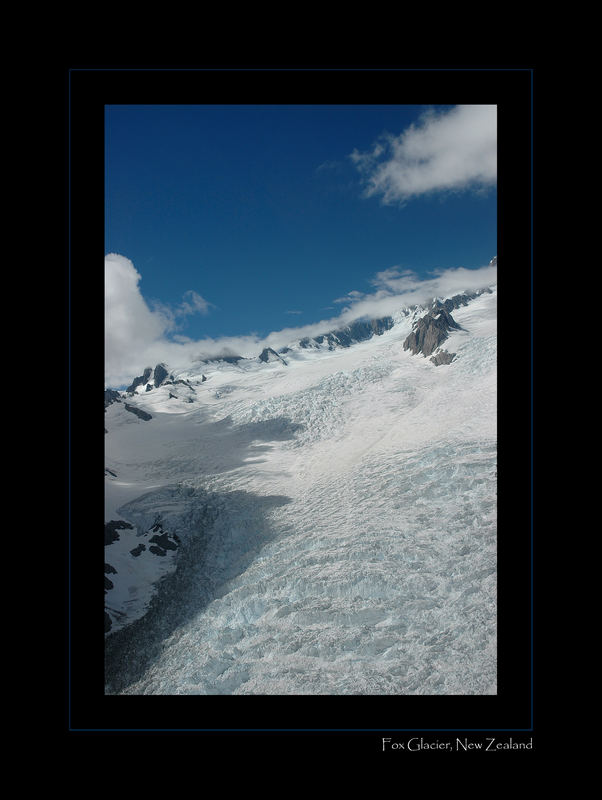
[(358, 331), (111, 396), (431, 330), (268, 355), (442, 357), (157, 376), (138, 412)]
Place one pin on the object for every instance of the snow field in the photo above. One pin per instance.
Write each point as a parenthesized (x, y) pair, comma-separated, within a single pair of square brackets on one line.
[(354, 551)]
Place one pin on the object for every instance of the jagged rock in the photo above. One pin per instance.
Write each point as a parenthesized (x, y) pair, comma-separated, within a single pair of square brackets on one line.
[(358, 331), (184, 383), (443, 357), (158, 551), (267, 355), (138, 412), (109, 472), (111, 396), (227, 359), (110, 570), (137, 550), (458, 300), (108, 584), (111, 529), (140, 380), (430, 331), (108, 623), (160, 375), (149, 387), (164, 542)]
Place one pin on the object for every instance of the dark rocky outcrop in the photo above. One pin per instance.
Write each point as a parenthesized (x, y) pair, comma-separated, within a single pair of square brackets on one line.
[(138, 412), (443, 357), (108, 623), (140, 381), (458, 300), (184, 383), (160, 375), (267, 355), (111, 529), (164, 541), (111, 396), (358, 331), (227, 359), (109, 471), (430, 331), (137, 550)]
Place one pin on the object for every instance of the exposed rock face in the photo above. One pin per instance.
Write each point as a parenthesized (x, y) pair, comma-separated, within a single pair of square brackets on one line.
[(358, 331), (111, 396), (430, 331), (142, 379), (443, 357), (227, 359), (458, 300), (112, 527), (160, 375), (267, 355), (138, 412)]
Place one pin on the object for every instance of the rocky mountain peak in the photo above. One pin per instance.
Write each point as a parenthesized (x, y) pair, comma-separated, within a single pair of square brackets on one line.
[(268, 355)]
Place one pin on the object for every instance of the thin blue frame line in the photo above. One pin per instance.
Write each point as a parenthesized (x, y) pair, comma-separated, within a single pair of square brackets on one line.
[(532, 422), (325, 730), (69, 392), (112, 69), (300, 69)]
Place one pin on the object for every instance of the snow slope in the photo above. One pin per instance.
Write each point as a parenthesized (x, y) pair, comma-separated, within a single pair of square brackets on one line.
[(335, 518)]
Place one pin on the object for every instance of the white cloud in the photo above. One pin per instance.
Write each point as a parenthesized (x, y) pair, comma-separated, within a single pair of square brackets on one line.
[(137, 337), (446, 151)]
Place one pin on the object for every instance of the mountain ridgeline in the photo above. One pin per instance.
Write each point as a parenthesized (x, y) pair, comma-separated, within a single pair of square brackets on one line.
[(432, 326)]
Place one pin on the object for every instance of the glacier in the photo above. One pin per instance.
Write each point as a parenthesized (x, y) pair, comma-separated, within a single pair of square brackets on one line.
[(332, 519)]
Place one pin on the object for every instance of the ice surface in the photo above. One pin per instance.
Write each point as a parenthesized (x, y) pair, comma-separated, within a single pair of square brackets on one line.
[(338, 519)]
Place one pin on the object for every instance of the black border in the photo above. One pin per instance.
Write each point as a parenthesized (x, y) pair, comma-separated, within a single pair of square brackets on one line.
[(88, 89)]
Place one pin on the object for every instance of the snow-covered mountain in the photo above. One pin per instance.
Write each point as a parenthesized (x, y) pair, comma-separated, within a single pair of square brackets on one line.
[(317, 520)]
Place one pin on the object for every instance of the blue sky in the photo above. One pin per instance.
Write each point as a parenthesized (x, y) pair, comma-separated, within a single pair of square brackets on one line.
[(244, 220)]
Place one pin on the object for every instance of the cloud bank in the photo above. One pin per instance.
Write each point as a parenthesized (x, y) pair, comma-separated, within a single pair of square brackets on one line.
[(137, 336), (446, 151)]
